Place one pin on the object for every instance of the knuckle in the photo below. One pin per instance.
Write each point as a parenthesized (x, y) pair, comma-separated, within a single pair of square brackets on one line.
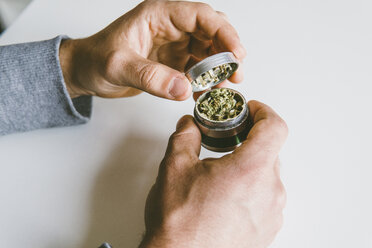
[(173, 138), (173, 162), (276, 124), (203, 6), (223, 14), (178, 155), (151, 4), (147, 75), (180, 136), (281, 197), (281, 125), (278, 195)]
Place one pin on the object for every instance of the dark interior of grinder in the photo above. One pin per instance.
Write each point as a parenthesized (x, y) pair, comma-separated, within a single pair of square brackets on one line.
[(222, 116)]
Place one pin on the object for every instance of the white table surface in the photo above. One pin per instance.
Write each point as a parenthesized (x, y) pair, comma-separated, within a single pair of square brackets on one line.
[(309, 60)]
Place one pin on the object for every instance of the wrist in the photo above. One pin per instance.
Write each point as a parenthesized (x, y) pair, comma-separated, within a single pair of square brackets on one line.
[(67, 55)]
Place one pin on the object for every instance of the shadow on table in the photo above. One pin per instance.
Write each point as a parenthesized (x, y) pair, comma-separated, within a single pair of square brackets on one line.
[(120, 191)]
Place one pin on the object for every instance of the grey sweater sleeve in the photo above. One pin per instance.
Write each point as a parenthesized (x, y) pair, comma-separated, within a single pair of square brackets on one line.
[(33, 94)]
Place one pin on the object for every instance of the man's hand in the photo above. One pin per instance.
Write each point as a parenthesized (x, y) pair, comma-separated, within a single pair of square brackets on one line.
[(234, 201), (147, 49)]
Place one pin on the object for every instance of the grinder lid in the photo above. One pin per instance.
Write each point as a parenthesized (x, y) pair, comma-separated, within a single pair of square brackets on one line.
[(212, 71)]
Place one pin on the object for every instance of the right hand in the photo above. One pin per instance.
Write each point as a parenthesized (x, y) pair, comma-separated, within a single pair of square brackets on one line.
[(234, 201)]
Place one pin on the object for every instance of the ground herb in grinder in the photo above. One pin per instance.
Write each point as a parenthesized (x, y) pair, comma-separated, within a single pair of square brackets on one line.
[(222, 117), (220, 105)]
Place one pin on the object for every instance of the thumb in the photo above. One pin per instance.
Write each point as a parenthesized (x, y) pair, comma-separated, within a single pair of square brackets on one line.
[(185, 143), (155, 78)]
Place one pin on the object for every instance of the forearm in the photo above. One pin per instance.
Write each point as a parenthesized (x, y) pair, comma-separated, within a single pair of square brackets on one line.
[(33, 93)]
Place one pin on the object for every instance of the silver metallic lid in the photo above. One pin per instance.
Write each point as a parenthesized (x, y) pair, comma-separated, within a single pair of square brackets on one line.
[(212, 71)]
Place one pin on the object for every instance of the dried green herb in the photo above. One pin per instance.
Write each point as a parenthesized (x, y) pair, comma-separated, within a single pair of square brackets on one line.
[(220, 105), (217, 74)]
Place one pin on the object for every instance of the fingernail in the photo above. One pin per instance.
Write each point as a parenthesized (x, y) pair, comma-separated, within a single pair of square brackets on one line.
[(178, 87)]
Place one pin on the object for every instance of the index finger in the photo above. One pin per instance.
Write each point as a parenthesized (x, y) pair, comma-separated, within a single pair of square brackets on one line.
[(205, 23), (266, 136)]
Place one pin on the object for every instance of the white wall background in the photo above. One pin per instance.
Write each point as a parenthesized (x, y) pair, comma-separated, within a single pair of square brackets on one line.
[(310, 60)]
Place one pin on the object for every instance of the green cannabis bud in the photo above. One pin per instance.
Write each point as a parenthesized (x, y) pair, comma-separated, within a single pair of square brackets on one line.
[(220, 105)]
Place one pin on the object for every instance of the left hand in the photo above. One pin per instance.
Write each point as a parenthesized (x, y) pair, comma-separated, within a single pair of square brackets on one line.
[(147, 49)]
